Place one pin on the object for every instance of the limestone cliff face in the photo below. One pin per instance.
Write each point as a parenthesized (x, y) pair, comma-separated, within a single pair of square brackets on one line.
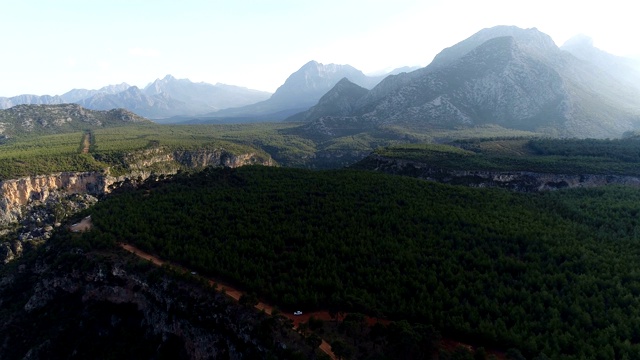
[(15, 194), (195, 158), (525, 181)]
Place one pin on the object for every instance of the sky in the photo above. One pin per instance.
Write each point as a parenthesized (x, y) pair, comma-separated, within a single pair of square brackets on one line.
[(50, 47)]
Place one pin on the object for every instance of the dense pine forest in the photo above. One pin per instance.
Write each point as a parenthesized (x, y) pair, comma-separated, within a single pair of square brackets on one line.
[(567, 156), (552, 274)]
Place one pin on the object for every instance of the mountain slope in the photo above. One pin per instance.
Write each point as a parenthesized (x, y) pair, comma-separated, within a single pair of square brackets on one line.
[(622, 69), (520, 81), (339, 101), (300, 91), (53, 119)]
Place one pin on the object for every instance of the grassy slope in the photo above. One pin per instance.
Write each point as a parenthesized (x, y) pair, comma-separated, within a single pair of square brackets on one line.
[(43, 154)]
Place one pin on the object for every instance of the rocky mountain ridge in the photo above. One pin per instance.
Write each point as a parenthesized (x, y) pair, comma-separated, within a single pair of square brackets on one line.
[(161, 98), (300, 91), (515, 78)]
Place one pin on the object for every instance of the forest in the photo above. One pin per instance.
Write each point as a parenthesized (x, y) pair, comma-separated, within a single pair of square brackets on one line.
[(550, 274), (566, 156)]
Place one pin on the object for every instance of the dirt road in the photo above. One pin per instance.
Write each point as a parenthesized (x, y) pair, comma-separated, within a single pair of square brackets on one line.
[(86, 143), (236, 294)]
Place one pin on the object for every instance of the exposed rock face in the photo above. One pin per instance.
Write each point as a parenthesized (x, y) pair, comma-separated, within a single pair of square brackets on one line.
[(524, 181)]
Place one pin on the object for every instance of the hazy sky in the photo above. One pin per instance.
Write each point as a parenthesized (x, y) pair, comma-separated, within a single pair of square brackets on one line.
[(50, 47)]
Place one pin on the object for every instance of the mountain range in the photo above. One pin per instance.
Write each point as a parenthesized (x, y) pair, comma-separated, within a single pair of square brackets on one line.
[(507, 76), (160, 99), (300, 91)]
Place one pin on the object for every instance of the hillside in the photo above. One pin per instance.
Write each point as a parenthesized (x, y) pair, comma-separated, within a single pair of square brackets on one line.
[(54, 119), (518, 163)]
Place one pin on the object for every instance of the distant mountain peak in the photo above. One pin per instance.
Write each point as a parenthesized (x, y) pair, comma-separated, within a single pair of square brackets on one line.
[(579, 40), (531, 40), (311, 64), (339, 101)]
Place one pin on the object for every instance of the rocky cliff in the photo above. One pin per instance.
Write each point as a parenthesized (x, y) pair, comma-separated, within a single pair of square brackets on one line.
[(525, 181), (32, 207), (15, 194)]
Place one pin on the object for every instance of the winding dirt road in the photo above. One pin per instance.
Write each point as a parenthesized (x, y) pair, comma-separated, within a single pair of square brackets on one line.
[(236, 294)]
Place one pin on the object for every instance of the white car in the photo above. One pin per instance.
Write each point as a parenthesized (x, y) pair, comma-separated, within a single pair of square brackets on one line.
[(297, 313)]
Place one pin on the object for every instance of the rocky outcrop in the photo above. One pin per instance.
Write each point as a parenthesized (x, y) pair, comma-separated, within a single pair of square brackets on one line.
[(525, 181), (18, 193)]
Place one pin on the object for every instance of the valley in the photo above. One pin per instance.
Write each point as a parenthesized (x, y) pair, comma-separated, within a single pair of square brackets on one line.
[(483, 206)]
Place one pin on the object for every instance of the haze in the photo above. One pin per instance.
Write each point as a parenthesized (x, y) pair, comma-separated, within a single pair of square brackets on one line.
[(52, 47)]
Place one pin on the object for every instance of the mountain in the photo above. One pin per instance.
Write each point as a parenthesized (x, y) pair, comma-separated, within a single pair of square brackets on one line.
[(80, 94), (531, 40), (300, 91), (202, 97), (134, 99), (511, 77), (622, 69), (7, 102), (68, 97), (167, 97), (339, 101), (51, 119), (162, 98)]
